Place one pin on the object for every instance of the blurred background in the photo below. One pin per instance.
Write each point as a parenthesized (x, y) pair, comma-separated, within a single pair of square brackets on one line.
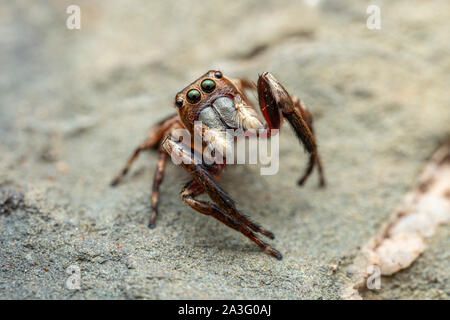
[(75, 103)]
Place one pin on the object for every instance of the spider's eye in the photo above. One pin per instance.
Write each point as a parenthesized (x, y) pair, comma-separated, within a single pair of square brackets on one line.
[(208, 85), (193, 96), (179, 102), (218, 74)]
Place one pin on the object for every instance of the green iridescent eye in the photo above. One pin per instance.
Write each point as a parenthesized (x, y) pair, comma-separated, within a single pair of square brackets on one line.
[(193, 96), (208, 85)]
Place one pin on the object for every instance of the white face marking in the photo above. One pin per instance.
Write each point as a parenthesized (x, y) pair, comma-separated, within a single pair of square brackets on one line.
[(223, 114), (224, 106), (209, 117)]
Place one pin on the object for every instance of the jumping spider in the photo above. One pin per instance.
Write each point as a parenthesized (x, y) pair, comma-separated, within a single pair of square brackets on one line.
[(221, 103)]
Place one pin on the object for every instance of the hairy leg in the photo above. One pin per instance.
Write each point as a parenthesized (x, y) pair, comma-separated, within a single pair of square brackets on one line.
[(314, 158), (204, 178), (153, 138), (276, 103), (193, 189), (157, 179)]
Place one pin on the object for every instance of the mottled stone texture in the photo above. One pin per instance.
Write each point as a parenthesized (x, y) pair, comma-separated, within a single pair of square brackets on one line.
[(74, 103)]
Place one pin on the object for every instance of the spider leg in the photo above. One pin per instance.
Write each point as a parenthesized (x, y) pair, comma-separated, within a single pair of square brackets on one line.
[(153, 138), (276, 104), (193, 189), (143, 146), (226, 206), (314, 158), (221, 198), (157, 179)]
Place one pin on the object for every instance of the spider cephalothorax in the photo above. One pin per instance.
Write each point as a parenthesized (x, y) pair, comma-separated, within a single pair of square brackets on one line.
[(221, 104), (217, 102)]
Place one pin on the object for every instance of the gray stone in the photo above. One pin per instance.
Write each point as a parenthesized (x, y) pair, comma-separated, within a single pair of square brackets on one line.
[(75, 103)]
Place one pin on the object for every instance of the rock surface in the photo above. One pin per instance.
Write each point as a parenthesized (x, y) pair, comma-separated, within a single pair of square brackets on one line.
[(74, 104)]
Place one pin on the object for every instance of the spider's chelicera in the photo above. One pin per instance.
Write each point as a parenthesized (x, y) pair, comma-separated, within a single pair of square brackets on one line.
[(221, 104)]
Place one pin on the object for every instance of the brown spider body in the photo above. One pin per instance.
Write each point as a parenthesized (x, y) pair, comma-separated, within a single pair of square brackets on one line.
[(221, 104)]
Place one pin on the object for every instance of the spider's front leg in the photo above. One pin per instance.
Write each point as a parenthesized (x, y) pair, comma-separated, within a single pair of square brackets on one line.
[(276, 104), (223, 208)]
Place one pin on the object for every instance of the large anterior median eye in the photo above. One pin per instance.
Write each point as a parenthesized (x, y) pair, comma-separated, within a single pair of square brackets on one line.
[(208, 85), (193, 96)]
